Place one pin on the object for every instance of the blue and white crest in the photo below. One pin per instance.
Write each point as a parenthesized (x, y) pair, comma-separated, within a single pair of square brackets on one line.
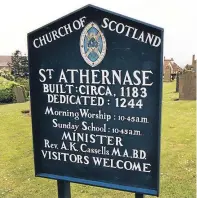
[(92, 44)]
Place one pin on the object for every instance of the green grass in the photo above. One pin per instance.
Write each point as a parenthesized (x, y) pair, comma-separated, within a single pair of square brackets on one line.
[(178, 165)]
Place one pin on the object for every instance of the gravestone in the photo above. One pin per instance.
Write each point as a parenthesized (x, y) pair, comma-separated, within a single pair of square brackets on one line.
[(177, 82), (167, 74), (195, 65), (96, 91), (187, 86), (19, 94)]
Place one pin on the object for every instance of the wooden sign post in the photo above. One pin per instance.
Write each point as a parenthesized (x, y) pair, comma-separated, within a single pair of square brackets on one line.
[(96, 91)]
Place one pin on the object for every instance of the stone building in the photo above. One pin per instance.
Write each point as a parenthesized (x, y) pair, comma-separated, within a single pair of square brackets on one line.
[(4, 60), (174, 68)]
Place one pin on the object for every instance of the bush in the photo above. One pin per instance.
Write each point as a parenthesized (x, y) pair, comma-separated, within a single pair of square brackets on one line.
[(6, 74), (6, 90)]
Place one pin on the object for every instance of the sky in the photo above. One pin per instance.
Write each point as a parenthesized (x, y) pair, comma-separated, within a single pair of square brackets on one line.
[(178, 18)]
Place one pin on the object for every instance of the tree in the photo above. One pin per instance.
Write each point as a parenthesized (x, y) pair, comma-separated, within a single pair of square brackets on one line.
[(19, 65)]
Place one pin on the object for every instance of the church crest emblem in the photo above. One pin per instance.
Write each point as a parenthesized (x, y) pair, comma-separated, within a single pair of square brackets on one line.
[(92, 44)]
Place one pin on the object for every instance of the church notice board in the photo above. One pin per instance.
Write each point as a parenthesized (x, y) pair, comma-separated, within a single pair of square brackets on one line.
[(96, 91)]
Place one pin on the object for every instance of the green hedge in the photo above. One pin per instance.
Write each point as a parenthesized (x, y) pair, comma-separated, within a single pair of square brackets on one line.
[(6, 90)]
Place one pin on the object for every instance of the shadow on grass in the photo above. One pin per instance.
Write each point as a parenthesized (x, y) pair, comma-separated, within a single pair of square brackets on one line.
[(176, 99), (26, 112), (6, 103), (9, 103), (170, 92)]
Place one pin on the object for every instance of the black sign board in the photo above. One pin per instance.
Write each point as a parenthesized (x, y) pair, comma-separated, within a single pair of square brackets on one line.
[(96, 91)]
